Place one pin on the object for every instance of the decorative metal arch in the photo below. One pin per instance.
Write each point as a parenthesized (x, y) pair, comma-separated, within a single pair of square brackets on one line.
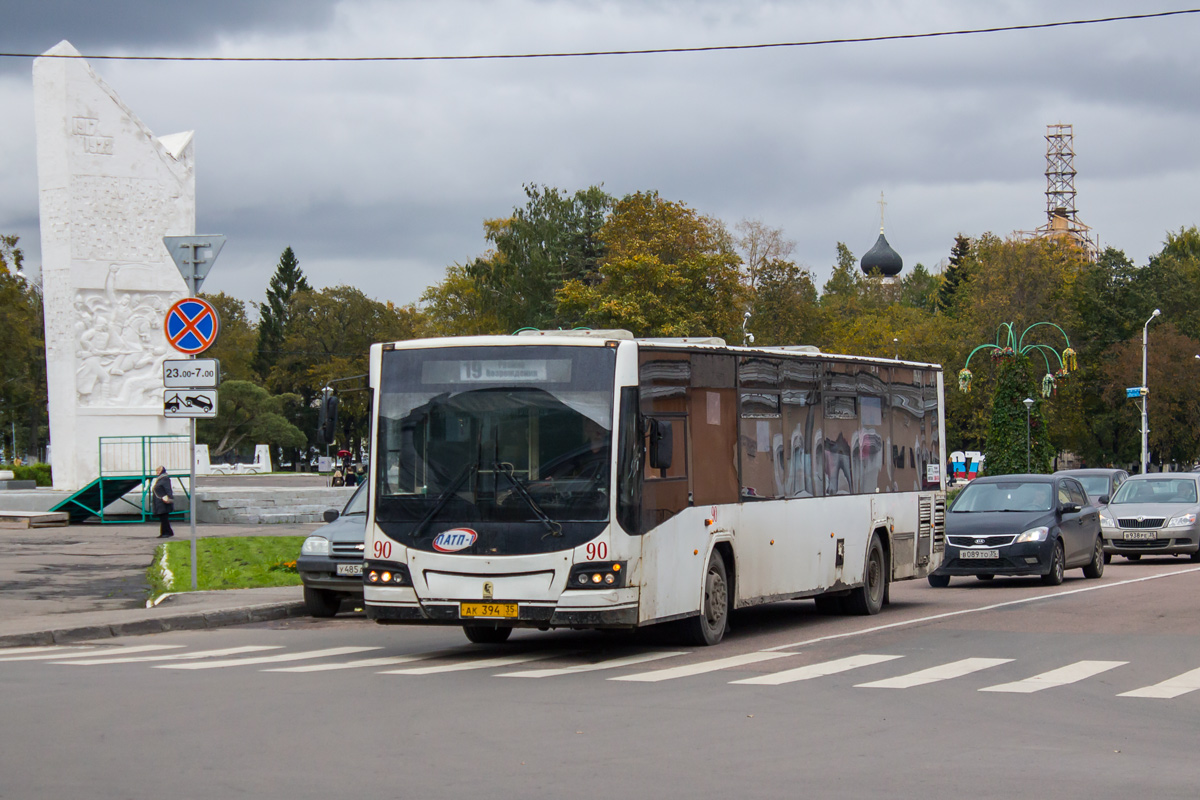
[(1009, 345)]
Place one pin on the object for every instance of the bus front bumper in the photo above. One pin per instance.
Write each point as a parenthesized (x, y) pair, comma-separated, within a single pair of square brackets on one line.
[(613, 608)]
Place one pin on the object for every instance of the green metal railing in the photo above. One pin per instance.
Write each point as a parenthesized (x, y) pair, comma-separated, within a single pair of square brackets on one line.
[(125, 458)]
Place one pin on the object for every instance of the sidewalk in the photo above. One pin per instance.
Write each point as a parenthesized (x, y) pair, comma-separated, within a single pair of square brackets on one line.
[(88, 581)]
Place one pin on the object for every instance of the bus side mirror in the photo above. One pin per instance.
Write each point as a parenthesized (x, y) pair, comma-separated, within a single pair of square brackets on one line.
[(661, 444)]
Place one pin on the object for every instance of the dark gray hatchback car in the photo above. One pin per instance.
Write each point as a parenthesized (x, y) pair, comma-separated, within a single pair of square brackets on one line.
[(1021, 525), (331, 559), (1099, 483)]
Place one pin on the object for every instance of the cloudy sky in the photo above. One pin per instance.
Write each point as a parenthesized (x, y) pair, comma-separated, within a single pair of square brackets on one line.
[(380, 174)]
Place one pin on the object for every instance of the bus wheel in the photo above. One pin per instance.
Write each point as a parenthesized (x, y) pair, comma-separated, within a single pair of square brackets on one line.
[(709, 627), (486, 634), (868, 598)]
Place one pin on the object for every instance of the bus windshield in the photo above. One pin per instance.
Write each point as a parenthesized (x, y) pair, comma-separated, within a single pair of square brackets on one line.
[(516, 434)]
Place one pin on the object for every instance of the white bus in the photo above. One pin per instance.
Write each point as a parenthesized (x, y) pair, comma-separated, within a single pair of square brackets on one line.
[(588, 479)]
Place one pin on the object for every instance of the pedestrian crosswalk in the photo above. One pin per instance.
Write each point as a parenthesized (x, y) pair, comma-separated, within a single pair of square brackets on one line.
[(894, 671)]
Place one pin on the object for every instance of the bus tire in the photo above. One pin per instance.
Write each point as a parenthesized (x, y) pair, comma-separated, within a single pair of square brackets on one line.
[(708, 627), (868, 598), (487, 634), (321, 602)]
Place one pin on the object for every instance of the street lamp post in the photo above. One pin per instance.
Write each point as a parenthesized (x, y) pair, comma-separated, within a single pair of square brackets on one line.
[(896, 348), (1028, 408), (1146, 396)]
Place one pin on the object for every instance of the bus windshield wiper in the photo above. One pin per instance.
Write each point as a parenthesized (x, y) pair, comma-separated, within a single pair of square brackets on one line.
[(444, 498), (507, 470)]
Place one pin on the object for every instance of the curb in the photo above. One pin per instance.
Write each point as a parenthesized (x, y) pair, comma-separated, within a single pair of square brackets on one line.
[(177, 622)]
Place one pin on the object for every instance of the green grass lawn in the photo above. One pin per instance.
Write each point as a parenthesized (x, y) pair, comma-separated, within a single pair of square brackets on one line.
[(234, 562)]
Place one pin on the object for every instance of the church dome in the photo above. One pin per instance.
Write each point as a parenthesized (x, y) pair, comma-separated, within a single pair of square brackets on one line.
[(883, 258)]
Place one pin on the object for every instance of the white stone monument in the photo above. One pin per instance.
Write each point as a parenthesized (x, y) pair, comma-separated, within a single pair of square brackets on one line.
[(109, 191)]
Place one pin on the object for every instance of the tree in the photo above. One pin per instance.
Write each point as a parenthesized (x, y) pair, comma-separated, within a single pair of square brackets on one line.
[(785, 308), (761, 247), (668, 271), (236, 342), (22, 355), (920, 289), (1174, 409), (274, 314), (845, 282), (1006, 443), (330, 335), (962, 261), (249, 414), (458, 307), (553, 239)]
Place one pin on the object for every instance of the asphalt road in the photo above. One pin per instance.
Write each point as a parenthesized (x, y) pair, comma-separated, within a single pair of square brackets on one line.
[(979, 690)]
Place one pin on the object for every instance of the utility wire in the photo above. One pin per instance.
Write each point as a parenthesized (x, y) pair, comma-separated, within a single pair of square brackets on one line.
[(648, 51)]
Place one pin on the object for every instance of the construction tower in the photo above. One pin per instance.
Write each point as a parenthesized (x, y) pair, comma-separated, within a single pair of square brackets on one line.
[(1062, 219)]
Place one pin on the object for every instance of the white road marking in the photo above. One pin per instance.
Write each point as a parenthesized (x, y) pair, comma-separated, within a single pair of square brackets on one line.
[(227, 651), (479, 663), (611, 663), (817, 670), (383, 661), (945, 672), (934, 617), (655, 676), (246, 662), (1172, 687), (141, 648), (22, 651), (1072, 673)]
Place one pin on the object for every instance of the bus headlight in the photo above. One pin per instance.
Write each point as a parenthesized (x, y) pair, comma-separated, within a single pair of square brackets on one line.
[(391, 575), (315, 546), (597, 575)]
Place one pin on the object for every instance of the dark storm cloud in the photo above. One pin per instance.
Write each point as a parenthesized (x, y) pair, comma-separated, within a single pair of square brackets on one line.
[(103, 26)]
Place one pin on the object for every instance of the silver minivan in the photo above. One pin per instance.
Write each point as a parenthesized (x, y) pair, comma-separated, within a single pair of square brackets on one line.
[(1153, 514)]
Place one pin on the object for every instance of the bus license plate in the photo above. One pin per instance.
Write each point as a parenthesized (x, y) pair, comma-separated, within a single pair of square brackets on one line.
[(349, 569), (1141, 534), (488, 610), (979, 554)]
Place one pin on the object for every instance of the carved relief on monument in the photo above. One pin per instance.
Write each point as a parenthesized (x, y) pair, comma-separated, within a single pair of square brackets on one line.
[(124, 219), (120, 344)]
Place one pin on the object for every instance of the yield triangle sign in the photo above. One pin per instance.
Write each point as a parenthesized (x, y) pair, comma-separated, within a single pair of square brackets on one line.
[(194, 256)]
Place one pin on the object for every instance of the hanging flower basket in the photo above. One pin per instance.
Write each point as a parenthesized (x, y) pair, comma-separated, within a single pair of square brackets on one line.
[(1048, 386), (964, 380), (1069, 360), (1003, 352)]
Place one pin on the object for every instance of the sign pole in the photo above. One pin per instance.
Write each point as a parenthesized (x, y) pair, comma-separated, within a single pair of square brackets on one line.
[(194, 267)]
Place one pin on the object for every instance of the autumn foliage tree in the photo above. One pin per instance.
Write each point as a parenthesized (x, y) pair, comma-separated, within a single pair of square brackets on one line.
[(667, 271)]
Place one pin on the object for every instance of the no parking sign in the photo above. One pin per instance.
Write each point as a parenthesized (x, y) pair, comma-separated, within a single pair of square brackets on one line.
[(191, 325)]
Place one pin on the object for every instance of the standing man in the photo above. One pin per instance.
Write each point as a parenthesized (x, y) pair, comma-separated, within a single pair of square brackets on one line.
[(163, 501)]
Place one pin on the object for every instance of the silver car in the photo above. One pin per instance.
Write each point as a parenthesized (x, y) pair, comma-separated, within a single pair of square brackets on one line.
[(1153, 514)]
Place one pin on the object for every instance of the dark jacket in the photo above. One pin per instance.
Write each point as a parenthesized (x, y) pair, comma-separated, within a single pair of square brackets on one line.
[(160, 490)]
